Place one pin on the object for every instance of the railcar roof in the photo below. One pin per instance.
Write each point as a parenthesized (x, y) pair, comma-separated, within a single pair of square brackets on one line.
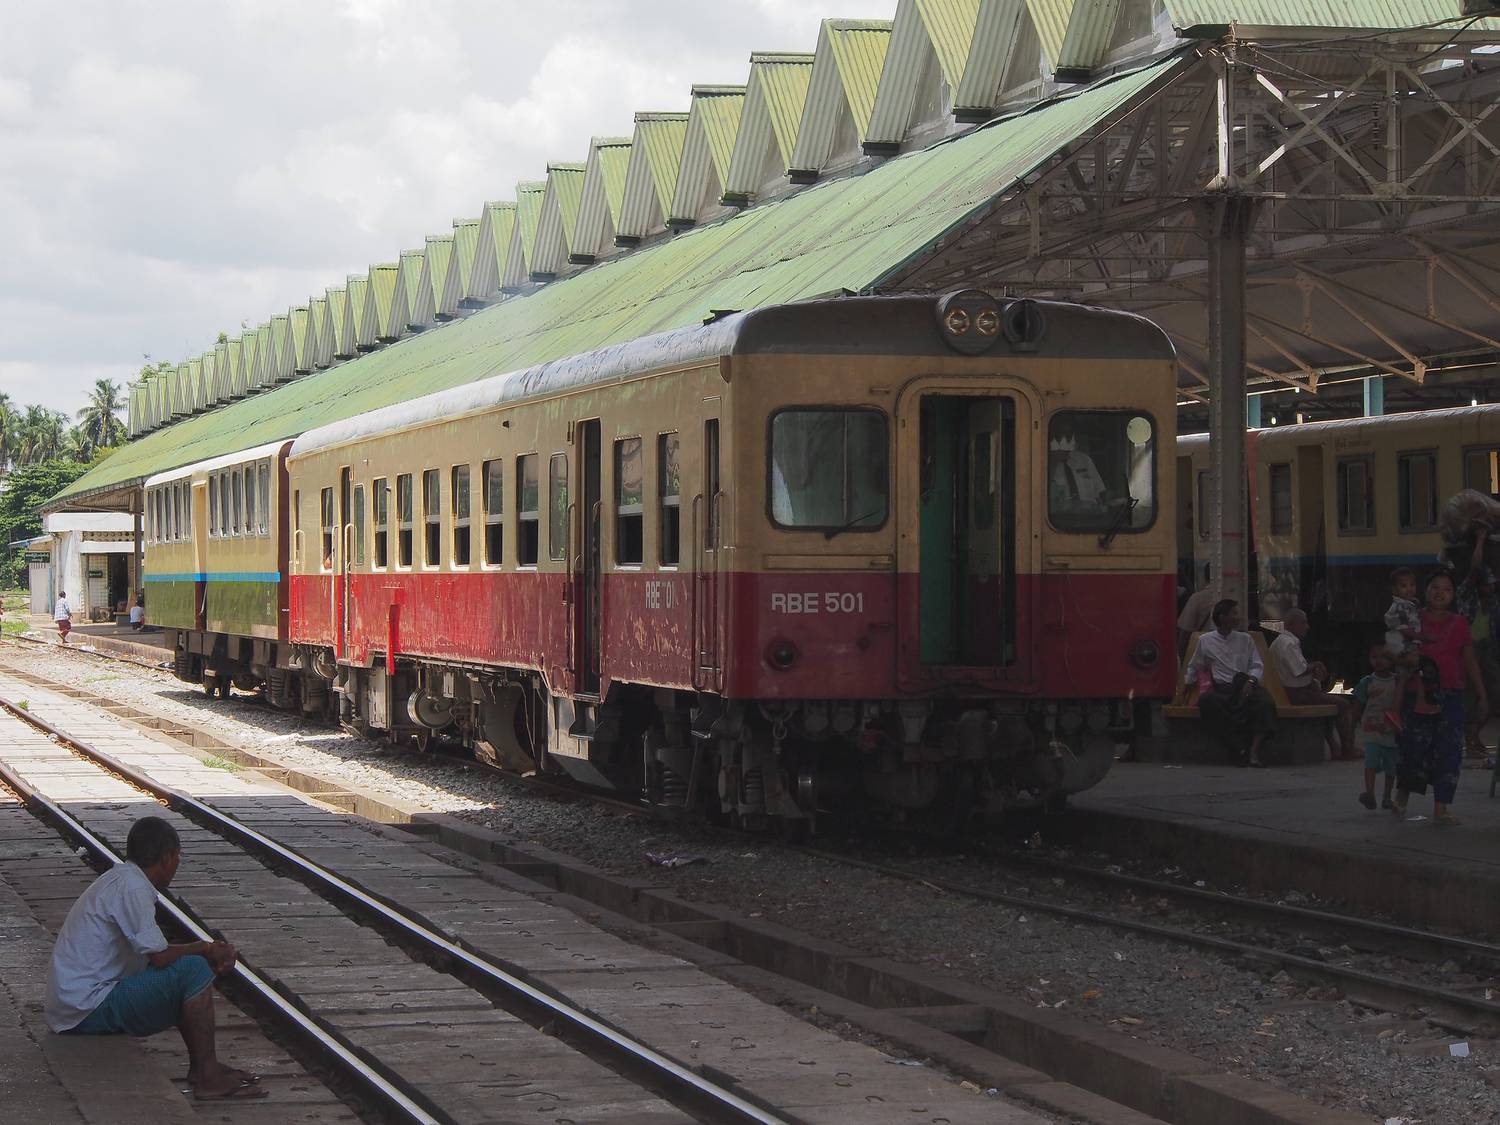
[(900, 325), (1318, 430), (269, 450)]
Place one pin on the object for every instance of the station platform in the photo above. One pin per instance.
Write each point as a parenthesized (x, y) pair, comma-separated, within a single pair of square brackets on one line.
[(1301, 829), (148, 645)]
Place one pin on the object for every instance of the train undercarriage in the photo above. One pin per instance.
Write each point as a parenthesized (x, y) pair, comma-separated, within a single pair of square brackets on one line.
[(760, 765)]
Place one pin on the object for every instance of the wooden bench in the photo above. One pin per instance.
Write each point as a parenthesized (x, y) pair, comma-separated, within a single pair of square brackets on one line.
[(1300, 728)]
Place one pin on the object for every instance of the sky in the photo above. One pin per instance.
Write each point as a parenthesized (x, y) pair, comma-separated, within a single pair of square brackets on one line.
[(171, 169)]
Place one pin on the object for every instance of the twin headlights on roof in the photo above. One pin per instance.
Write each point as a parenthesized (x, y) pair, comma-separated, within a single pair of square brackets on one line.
[(970, 322)]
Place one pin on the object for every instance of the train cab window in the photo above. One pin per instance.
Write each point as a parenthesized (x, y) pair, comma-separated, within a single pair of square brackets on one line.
[(213, 506), (1416, 491), (263, 478), (1356, 497), (829, 470), (630, 503), (1101, 472), (494, 512), (359, 525), (403, 519), (557, 506), (669, 499), (380, 493), (712, 488), (1281, 498), (432, 518), (252, 519), (1482, 470), (460, 504), (327, 523), (237, 516), (528, 511)]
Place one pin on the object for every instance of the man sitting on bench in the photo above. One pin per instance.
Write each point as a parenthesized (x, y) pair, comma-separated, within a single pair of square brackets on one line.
[(1227, 669), (1302, 681)]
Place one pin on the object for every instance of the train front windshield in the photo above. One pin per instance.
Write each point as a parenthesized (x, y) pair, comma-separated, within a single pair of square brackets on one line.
[(1101, 471)]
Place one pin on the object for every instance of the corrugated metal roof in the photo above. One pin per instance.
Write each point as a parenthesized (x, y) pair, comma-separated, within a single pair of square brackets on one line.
[(659, 138), (301, 353), (1090, 30), (1050, 18), (282, 351), (859, 48), (603, 189), (390, 300), (847, 233), (1001, 26), (324, 322), (410, 274), (234, 353), (465, 242), (557, 219), (1351, 14), (208, 383), (497, 222), (783, 82), (950, 26), (713, 121), (439, 258), (223, 376), (343, 321), (362, 310), (566, 181), (719, 110), (529, 195)]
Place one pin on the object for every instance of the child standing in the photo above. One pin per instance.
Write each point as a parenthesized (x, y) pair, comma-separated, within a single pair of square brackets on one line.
[(1403, 624), (1380, 693)]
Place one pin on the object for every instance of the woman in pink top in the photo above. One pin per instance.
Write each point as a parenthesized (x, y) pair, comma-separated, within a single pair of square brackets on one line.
[(1432, 745)]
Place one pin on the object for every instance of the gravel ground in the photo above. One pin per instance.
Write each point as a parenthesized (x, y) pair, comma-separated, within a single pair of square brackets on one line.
[(1239, 1017)]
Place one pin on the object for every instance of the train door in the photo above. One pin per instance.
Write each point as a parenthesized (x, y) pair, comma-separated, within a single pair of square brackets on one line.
[(959, 529), (708, 508), (588, 617), (344, 559), (198, 527)]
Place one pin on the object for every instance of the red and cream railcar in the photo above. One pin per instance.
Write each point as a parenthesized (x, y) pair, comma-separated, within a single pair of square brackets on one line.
[(912, 550)]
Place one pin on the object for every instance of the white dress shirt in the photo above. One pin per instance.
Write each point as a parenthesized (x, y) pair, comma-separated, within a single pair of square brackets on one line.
[(1291, 665), (1225, 657), (106, 936)]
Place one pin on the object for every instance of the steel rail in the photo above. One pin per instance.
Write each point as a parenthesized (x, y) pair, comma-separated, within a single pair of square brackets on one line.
[(370, 1079), (1376, 990), (594, 1031)]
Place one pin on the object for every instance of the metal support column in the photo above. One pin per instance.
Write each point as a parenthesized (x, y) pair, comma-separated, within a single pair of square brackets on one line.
[(136, 579), (1226, 221), (1374, 396)]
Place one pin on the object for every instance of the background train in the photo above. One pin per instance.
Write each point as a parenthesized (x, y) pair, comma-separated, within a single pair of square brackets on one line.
[(906, 551), (1335, 507)]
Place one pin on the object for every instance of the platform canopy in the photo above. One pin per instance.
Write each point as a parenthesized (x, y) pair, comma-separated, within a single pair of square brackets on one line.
[(850, 234)]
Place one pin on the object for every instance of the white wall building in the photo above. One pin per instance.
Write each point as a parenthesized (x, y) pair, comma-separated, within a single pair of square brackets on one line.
[(93, 559)]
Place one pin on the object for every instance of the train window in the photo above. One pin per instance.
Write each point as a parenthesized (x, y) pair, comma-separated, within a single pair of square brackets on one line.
[(359, 525), (528, 511), (1281, 498), (460, 515), (1416, 491), (829, 469), (252, 520), (328, 523), (711, 483), (1356, 495), (630, 503), (263, 479), (224, 505), (669, 499), (380, 494), (557, 506), (403, 519), (1482, 470), (237, 521), (1101, 472), (494, 511), (213, 506), (432, 518)]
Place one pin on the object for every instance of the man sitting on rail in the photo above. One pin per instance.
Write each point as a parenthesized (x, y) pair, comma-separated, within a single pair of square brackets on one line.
[(113, 972), (1227, 669), (1304, 682)]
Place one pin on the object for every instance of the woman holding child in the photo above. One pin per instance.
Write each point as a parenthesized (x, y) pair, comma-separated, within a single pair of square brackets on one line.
[(1432, 735)]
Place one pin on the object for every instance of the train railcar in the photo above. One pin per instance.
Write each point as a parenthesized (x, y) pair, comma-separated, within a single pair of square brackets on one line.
[(902, 549), (216, 549), (1335, 506)]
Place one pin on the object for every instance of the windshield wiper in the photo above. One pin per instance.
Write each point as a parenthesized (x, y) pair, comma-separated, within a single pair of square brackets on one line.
[(855, 522), (1122, 517)]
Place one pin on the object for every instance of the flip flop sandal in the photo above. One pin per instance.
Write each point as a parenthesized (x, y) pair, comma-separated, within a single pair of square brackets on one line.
[(245, 1091)]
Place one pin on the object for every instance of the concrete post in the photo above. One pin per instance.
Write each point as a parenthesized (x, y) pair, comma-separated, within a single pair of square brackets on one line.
[(1374, 396), (1226, 221)]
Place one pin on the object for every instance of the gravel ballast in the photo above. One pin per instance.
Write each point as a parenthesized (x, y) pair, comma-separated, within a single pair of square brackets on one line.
[(1245, 1019)]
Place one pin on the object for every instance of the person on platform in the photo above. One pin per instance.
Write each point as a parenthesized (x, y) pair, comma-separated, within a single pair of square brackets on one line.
[(1303, 681), (62, 613), (1379, 694), (1477, 603), (1227, 669), (1432, 743), (138, 614), (1403, 635), (1197, 612), (113, 971)]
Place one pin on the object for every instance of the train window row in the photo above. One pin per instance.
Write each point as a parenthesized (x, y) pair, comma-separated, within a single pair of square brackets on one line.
[(169, 512), (629, 512), (239, 502)]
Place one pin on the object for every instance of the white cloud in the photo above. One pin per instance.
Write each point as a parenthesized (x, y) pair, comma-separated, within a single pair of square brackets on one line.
[(176, 168)]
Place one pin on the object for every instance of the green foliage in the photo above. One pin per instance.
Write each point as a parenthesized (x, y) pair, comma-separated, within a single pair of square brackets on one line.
[(26, 488)]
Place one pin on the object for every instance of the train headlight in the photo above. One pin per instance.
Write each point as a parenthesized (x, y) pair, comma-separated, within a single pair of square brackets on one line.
[(969, 320), (1145, 655), (781, 654)]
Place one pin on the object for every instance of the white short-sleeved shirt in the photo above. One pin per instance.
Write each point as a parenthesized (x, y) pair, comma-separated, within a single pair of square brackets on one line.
[(1291, 665), (106, 936), (137, 614)]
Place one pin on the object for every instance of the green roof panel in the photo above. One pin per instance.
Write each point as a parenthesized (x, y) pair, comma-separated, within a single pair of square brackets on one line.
[(859, 52), (950, 25), (1352, 15)]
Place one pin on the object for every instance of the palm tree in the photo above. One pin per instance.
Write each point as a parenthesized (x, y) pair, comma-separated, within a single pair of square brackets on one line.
[(9, 419), (100, 417), (77, 444), (40, 435)]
